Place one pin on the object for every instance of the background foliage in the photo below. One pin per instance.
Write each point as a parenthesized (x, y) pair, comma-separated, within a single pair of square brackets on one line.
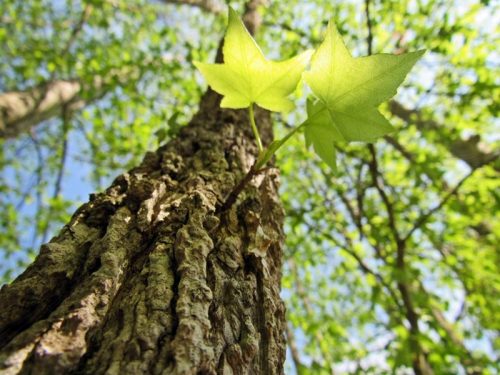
[(396, 253)]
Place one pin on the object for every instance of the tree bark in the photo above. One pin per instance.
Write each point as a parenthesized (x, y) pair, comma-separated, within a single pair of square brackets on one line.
[(20, 110), (470, 150), (150, 278), (211, 6)]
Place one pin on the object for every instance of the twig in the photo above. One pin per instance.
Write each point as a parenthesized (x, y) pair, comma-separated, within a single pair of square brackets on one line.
[(362, 264), (39, 173), (398, 146), (28, 190), (231, 198), (290, 339), (77, 29), (422, 219), (385, 199), (420, 363), (304, 296), (369, 38), (60, 173)]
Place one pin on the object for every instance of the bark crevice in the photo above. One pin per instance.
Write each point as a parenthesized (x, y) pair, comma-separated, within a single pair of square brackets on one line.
[(157, 280)]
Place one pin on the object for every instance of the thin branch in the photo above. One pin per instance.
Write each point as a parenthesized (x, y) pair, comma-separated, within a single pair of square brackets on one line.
[(467, 359), (94, 151), (303, 295), (355, 217), (420, 363), (57, 186), (87, 10), (39, 173), (398, 146), (211, 6), (28, 190), (290, 339), (363, 266), (385, 199), (369, 38), (423, 219), (60, 172), (470, 150), (21, 110)]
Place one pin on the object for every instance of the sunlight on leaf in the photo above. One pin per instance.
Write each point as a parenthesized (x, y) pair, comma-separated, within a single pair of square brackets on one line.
[(347, 92), (247, 77)]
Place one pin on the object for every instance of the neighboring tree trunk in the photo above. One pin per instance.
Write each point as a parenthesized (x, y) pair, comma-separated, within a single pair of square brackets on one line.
[(149, 278)]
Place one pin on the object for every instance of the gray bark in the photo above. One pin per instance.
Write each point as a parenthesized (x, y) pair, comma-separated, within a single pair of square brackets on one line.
[(211, 6), (149, 278), (20, 110), (470, 150)]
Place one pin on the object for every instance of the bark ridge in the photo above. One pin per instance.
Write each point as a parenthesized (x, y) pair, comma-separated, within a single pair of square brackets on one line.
[(147, 278)]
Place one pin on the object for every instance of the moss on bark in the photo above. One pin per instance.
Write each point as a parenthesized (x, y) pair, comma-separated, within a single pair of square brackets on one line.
[(148, 277)]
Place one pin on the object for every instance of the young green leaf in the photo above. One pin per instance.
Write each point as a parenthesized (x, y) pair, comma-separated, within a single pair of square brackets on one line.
[(247, 77), (320, 134), (348, 92)]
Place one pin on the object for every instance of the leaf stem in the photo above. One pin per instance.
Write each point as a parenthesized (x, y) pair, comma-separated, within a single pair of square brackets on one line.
[(254, 128), (292, 132), (266, 155)]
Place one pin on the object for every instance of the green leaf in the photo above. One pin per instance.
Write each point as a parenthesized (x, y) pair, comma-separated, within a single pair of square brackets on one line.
[(320, 136), (348, 92), (247, 77)]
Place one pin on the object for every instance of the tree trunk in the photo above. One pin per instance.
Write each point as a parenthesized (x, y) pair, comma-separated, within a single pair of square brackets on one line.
[(150, 278)]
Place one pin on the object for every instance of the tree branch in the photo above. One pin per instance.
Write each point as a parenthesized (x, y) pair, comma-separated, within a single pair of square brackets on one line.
[(290, 339), (467, 359), (303, 295), (39, 173), (423, 219), (420, 363), (385, 199), (60, 173), (87, 10), (399, 147), (469, 150), (211, 6), (233, 196), (363, 266), (21, 110)]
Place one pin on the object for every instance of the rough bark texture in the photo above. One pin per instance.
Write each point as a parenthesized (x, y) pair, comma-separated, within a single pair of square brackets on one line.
[(148, 278)]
